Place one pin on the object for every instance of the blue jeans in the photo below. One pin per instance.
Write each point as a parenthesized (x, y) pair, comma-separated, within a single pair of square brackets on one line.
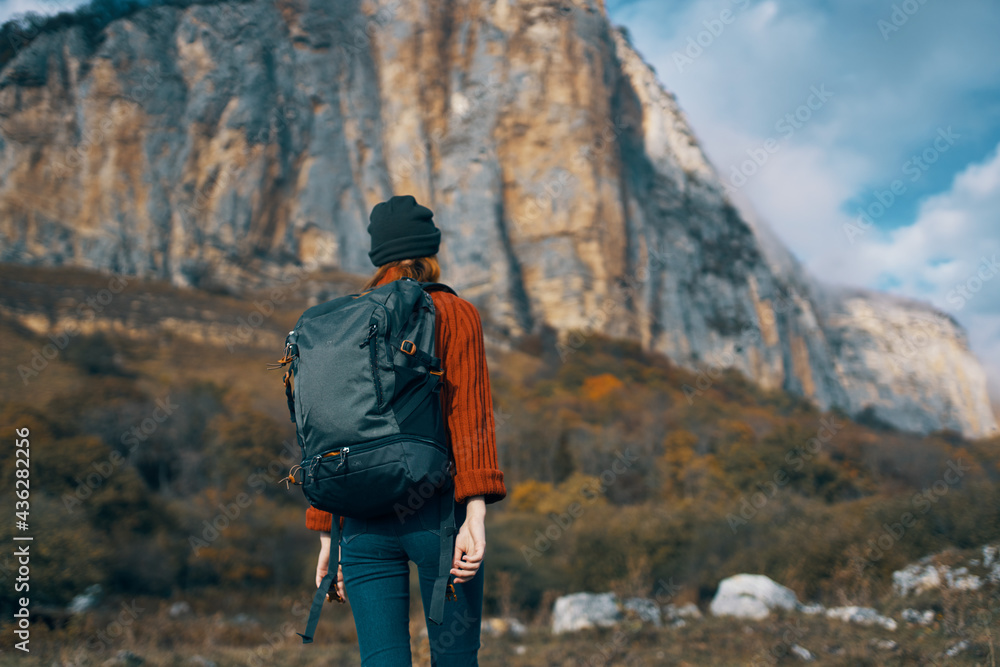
[(375, 555)]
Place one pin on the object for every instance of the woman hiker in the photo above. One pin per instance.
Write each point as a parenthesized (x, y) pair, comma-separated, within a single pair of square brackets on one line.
[(375, 553)]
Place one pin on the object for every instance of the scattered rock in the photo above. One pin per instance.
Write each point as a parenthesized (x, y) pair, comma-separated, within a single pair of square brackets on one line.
[(811, 609), (520, 649), (861, 616), (958, 648), (751, 596), (647, 610), (179, 609), (501, 627), (990, 554), (991, 563), (885, 644), (675, 614), (916, 578), (925, 617), (585, 610), (960, 579), (87, 600), (804, 654), (927, 574)]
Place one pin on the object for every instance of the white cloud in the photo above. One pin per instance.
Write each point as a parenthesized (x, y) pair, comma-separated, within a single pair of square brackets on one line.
[(945, 257), (955, 233), (9, 8), (799, 184), (890, 97)]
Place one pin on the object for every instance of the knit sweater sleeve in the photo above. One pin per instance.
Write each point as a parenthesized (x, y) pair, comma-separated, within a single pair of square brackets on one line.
[(318, 520), (467, 401)]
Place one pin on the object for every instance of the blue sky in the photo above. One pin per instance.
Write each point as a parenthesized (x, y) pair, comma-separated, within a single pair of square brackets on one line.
[(911, 99), (9, 8), (905, 94)]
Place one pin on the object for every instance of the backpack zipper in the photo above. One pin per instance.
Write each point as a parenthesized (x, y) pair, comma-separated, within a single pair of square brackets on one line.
[(342, 453), (372, 330), (378, 442), (373, 357)]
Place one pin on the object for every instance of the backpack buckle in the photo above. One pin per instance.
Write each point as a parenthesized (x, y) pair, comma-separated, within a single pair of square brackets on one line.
[(408, 350)]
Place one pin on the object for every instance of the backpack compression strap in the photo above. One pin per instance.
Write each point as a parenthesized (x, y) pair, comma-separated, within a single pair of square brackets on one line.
[(447, 503), (442, 590), (431, 382), (324, 585)]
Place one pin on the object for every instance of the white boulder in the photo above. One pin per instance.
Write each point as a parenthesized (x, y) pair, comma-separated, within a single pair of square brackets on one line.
[(802, 653), (179, 608), (751, 596), (958, 648), (925, 617), (916, 578), (960, 579), (580, 611), (85, 601)]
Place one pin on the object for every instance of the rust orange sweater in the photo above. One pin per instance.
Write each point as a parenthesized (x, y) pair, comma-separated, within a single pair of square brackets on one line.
[(465, 399)]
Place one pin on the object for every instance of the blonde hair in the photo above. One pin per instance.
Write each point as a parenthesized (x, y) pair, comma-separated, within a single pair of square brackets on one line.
[(423, 269)]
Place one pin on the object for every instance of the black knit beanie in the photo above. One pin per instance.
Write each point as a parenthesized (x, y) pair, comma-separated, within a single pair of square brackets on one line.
[(402, 229)]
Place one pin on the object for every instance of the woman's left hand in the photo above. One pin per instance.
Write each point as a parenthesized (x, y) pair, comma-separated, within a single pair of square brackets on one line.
[(323, 566), (470, 544)]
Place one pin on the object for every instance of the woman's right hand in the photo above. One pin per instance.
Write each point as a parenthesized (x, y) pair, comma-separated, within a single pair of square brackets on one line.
[(323, 566), (470, 543)]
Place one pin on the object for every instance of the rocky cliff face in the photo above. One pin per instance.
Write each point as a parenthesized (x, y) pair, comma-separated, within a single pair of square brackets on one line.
[(226, 143)]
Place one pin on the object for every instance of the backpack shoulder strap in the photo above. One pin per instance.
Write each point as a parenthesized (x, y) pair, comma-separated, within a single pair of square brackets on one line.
[(437, 287)]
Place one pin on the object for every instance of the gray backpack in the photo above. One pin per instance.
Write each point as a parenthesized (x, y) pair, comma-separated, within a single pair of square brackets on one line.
[(363, 389)]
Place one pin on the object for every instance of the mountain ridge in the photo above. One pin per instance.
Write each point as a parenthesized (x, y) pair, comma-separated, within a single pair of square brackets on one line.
[(219, 143)]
